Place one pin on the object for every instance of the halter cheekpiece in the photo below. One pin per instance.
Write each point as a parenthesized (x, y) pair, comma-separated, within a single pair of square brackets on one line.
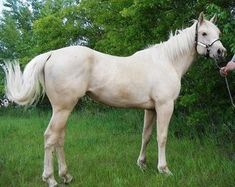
[(207, 46)]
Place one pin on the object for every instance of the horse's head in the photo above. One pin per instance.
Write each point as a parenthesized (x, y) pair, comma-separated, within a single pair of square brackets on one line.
[(207, 38)]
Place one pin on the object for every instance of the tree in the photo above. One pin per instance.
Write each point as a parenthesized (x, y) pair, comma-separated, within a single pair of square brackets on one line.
[(59, 26), (15, 30)]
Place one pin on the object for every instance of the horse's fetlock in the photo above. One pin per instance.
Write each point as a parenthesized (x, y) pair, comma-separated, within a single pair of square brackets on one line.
[(63, 172), (142, 160), (46, 175)]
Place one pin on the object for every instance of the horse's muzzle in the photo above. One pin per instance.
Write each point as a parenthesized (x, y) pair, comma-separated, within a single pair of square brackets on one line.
[(221, 52)]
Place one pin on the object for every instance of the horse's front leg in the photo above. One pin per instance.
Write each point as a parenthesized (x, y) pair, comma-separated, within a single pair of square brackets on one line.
[(149, 117), (164, 113)]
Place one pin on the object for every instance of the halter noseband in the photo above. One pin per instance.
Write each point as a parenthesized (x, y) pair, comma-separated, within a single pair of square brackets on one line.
[(207, 46)]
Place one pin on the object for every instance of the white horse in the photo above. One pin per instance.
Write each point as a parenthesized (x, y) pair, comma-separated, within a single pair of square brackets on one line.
[(149, 79)]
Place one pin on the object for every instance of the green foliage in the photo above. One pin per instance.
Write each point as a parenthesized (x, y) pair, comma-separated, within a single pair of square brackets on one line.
[(58, 27)]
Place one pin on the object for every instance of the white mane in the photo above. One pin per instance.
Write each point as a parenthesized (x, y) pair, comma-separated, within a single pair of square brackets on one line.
[(178, 44)]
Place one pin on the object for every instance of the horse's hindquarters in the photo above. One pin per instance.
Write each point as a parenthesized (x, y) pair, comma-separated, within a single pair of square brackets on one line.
[(67, 76)]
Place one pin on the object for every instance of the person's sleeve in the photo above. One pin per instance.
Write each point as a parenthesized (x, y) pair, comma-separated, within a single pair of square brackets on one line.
[(233, 59)]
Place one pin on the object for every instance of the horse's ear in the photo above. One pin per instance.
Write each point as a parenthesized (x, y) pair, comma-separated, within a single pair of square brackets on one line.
[(201, 18), (213, 19)]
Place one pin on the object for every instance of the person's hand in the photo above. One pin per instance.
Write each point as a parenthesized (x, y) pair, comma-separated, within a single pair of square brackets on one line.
[(229, 67), (223, 71)]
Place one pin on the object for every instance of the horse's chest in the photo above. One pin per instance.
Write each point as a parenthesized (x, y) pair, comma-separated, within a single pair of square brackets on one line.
[(167, 89)]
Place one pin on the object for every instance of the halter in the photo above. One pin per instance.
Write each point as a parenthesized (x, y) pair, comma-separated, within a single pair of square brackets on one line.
[(207, 46)]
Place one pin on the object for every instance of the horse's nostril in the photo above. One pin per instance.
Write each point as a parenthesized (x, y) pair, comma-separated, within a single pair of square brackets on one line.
[(219, 51), (225, 52)]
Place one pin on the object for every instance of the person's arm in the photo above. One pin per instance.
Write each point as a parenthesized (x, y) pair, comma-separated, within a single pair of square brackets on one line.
[(229, 67)]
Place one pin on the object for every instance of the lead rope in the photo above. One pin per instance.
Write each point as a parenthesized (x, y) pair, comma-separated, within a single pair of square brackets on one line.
[(227, 85), (229, 92)]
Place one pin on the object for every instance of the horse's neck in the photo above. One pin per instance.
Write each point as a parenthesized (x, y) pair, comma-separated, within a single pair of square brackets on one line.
[(182, 64), (182, 50)]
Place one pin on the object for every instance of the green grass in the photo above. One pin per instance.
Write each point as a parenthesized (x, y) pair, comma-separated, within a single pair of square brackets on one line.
[(101, 149)]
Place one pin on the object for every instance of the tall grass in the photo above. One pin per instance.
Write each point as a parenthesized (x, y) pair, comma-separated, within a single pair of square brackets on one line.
[(102, 146)]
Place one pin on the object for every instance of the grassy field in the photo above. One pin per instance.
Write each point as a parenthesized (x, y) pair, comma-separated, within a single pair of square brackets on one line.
[(101, 148)]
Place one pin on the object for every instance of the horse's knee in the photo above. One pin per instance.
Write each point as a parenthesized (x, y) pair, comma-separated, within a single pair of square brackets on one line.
[(51, 139), (162, 140)]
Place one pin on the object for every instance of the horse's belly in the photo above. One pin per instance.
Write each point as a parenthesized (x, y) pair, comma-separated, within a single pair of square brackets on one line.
[(124, 100)]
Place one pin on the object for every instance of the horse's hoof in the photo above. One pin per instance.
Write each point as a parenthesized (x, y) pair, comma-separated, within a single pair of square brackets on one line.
[(141, 164), (50, 181), (67, 178), (164, 170)]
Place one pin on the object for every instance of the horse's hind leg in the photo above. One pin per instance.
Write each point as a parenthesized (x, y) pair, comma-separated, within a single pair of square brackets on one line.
[(63, 170), (149, 117), (54, 140)]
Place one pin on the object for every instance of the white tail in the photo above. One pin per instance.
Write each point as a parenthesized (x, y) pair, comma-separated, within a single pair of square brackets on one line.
[(24, 88)]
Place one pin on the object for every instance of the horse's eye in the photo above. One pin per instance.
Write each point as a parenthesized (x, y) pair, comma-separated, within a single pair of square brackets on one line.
[(204, 34)]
